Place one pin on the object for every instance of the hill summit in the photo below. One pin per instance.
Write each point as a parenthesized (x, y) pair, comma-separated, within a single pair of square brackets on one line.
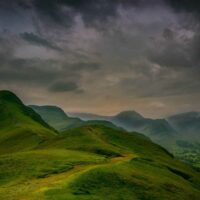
[(20, 126)]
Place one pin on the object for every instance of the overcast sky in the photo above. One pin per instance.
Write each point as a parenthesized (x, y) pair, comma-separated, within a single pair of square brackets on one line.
[(102, 56)]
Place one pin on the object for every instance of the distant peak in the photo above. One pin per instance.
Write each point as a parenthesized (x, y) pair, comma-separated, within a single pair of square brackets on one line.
[(9, 96), (129, 114)]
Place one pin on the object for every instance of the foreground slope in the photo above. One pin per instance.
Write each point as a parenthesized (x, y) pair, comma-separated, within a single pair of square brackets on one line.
[(89, 162), (97, 162), (20, 127)]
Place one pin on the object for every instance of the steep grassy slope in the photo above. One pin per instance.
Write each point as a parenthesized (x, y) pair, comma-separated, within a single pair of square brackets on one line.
[(20, 127)]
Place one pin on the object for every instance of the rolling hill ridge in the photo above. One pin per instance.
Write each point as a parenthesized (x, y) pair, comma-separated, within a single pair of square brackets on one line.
[(92, 161)]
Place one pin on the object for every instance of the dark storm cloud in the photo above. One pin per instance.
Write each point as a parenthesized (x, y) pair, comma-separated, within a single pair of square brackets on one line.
[(64, 87), (92, 11), (27, 71), (37, 71), (168, 34), (124, 49), (191, 6), (39, 41)]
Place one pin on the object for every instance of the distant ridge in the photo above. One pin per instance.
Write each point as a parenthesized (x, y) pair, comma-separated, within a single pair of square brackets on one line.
[(133, 121), (56, 117), (61, 121)]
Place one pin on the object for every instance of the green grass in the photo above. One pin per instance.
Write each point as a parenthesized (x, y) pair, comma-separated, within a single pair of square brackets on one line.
[(92, 162), (41, 163), (20, 127), (128, 180), (86, 138), (129, 166)]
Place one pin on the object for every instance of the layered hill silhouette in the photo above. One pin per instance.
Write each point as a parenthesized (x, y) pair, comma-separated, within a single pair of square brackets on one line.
[(178, 133), (133, 121), (188, 123), (92, 161), (58, 119)]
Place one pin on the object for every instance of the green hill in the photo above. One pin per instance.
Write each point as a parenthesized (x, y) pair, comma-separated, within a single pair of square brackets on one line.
[(156, 129), (56, 117), (97, 162), (88, 162), (20, 127), (179, 133)]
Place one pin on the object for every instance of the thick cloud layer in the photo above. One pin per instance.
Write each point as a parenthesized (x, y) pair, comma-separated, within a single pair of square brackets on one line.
[(102, 56)]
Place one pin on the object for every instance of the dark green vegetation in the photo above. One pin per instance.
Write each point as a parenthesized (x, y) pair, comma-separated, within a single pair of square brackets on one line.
[(20, 127), (179, 133), (90, 162)]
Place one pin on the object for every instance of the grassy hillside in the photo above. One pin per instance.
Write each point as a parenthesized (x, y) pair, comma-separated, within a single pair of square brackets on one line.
[(20, 127), (179, 133), (133, 121), (97, 162), (88, 162)]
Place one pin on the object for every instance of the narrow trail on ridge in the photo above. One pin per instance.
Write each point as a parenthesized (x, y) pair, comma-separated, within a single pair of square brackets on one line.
[(37, 187)]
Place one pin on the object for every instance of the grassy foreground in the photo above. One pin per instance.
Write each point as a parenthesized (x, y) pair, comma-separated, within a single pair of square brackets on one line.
[(92, 162), (96, 162)]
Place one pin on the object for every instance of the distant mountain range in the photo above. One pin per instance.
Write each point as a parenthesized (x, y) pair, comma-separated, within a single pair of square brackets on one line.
[(89, 160), (185, 126), (180, 133), (188, 122), (133, 121), (58, 119)]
